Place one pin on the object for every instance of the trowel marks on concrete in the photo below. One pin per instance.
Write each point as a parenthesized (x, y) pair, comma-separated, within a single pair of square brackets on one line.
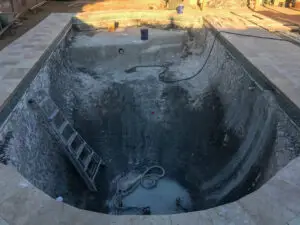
[(218, 135)]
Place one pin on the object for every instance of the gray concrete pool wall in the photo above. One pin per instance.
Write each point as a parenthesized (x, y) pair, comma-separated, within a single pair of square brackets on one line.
[(251, 209)]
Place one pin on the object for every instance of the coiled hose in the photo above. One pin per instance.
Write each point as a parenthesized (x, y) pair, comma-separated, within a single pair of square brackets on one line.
[(147, 180)]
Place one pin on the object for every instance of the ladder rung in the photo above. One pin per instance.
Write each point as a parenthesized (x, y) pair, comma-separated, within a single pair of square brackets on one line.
[(80, 149), (62, 127), (97, 169), (55, 112), (83, 157), (72, 138), (88, 161), (98, 159)]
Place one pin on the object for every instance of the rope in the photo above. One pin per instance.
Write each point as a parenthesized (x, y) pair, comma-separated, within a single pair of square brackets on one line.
[(147, 180), (166, 67)]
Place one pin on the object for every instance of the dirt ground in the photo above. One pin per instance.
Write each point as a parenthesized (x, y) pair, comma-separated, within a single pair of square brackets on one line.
[(281, 14), (30, 19)]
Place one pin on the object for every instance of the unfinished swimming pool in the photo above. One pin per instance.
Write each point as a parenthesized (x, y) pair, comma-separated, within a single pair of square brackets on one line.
[(178, 122)]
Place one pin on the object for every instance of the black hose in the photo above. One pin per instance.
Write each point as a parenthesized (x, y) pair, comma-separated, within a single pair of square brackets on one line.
[(254, 36), (160, 77), (166, 67)]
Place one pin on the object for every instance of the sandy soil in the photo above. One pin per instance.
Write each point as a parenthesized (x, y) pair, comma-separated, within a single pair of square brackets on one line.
[(281, 14), (30, 19)]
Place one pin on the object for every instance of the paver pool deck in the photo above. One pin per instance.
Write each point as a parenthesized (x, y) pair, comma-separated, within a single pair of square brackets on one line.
[(276, 202)]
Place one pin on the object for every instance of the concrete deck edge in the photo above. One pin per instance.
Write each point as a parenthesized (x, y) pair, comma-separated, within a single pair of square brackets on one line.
[(40, 51), (260, 77)]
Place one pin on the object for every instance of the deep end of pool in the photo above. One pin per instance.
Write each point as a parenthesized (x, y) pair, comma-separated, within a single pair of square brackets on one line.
[(179, 104)]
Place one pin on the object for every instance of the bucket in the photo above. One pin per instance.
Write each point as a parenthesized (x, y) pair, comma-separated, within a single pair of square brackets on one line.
[(116, 24), (113, 27), (180, 9), (144, 34)]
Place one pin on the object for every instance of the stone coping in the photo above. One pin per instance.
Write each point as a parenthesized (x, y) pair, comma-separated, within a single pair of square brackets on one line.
[(276, 202), (274, 64), (21, 60)]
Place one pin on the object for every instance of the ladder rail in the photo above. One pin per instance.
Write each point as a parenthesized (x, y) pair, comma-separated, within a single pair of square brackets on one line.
[(50, 111)]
